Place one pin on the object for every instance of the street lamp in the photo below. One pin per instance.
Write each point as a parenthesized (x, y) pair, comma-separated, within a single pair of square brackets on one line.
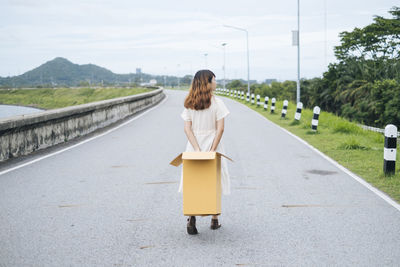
[(248, 66), (205, 56), (223, 45), (298, 52), (179, 85), (165, 77)]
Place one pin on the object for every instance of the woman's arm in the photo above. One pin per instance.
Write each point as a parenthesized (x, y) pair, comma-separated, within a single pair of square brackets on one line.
[(218, 135), (190, 135)]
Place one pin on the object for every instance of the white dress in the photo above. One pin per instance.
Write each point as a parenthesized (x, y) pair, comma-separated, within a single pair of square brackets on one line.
[(204, 126)]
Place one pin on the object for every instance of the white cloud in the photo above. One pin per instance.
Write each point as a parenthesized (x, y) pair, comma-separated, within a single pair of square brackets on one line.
[(159, 35)]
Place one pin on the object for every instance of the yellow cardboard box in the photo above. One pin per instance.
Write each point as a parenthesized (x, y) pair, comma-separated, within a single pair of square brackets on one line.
[(201, 182)]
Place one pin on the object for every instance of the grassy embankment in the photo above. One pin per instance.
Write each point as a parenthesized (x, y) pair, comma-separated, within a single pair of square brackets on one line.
[(358, 150), (63, 97)]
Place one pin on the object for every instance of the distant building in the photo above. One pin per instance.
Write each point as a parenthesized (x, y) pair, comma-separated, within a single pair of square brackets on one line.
[(152, 82), (269, 81), (138, 71)]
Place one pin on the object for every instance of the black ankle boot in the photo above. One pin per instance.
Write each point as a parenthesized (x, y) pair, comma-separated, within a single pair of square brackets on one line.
[(214, 224), (191, 225)]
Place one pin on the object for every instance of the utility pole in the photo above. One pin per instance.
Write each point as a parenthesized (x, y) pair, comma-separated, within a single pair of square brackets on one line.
[(223, 45), (298, 52), (179, 84), (248, 64), (325, 26)]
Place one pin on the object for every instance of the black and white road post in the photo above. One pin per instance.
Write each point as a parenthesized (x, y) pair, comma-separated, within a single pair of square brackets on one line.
[(252, 98), (284, 108), (266, 99), (273, 100), (258, 100), (247, 97), (389, 153), (242, 96), (314, 121), (297, 116), (235, 94)]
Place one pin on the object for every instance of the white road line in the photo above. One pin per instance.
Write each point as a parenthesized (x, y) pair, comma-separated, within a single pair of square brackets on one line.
[(351, 174), (85, 141)]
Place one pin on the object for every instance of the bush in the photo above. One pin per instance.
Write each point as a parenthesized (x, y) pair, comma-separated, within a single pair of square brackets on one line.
[(352, 143)]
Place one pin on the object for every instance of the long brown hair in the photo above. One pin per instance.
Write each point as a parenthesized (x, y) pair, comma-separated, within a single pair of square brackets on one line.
[(200, 91)]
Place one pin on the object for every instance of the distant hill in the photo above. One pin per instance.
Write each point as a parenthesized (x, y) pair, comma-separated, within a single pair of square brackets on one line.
[(62, 72)]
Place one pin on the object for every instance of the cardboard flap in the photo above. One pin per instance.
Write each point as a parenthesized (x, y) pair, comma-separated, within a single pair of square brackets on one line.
[(198, 155), (224, 156), (177, 161)]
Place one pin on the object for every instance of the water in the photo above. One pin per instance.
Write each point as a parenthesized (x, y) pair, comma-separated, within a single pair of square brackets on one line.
[(9, 111)]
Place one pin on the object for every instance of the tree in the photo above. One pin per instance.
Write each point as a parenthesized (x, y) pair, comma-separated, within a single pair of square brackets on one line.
[(364, 85), (236, 85), (372, 52)]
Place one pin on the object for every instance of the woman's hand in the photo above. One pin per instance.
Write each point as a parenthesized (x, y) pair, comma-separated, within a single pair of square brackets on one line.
[(218, 135), (190, 135)]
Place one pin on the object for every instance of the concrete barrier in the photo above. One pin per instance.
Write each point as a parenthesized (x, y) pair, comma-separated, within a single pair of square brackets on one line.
[(24, 134)]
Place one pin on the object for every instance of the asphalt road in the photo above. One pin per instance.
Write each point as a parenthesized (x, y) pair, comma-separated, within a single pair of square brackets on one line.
[(113, 201)]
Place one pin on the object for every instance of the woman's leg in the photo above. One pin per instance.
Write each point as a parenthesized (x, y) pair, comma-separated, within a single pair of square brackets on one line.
[(214, 222), (191, 225)]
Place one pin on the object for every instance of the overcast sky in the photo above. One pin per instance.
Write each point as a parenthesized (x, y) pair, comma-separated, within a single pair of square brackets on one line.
[(171, 37)]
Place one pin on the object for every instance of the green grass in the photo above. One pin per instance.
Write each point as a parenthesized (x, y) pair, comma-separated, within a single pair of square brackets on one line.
[(358, 150), (63, 97)]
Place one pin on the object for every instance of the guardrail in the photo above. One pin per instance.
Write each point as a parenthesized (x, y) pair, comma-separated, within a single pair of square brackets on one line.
[(379, 130), (24, 134)]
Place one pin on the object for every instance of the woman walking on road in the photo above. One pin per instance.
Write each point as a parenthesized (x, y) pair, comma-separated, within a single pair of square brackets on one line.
[(204, 125)]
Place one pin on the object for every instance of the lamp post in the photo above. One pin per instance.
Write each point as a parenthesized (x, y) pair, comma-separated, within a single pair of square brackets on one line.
[(165, 77), (205, 56), (248, 66), (298, 51), (179, 85), (325, 53), (223, 45)]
